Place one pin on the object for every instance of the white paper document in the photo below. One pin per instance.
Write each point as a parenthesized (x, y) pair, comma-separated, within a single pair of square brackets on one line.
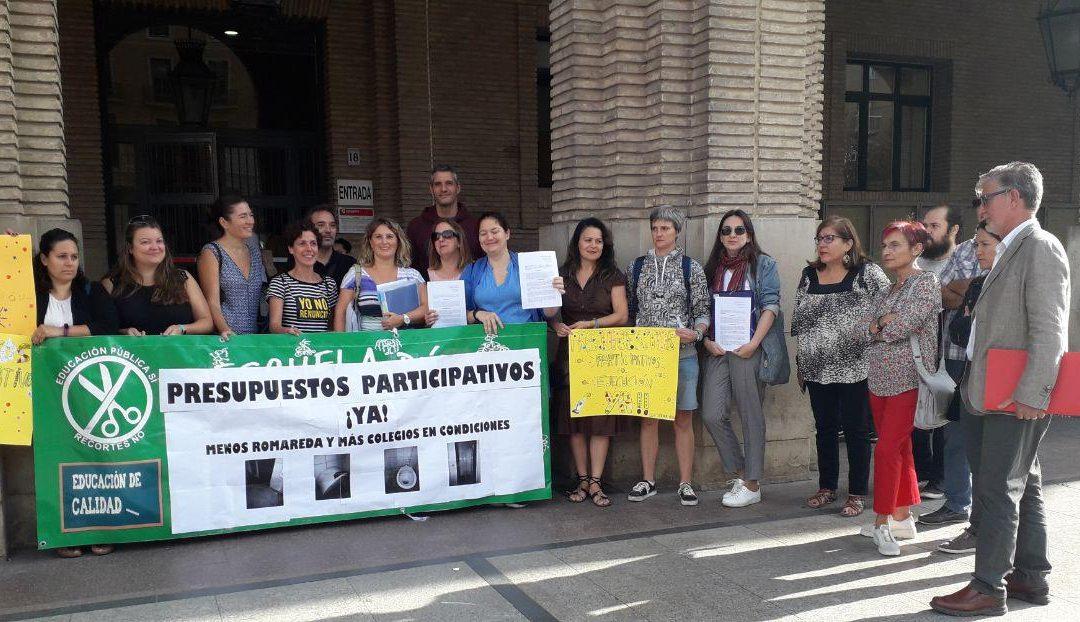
[(536, 271), (731, 320), (447, 298)]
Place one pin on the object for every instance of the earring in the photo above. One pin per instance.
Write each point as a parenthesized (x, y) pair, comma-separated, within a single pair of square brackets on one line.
[(847, 260)]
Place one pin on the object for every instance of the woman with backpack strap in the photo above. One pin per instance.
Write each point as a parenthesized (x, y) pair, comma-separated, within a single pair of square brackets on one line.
[(668, 289)]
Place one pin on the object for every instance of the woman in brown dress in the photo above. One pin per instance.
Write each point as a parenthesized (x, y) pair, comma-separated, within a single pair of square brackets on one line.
[(595, 298)]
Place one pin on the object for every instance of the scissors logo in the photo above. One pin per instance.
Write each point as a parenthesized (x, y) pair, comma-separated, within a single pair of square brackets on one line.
[(107, 399)]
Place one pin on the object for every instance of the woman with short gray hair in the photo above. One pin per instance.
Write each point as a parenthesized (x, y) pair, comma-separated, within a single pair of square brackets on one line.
[(668, 289)]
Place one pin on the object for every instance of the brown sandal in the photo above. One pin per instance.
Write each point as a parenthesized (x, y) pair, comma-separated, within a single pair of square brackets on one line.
[(599, 499), (821, 498), (854, 506), (580, 492), (69, 552)]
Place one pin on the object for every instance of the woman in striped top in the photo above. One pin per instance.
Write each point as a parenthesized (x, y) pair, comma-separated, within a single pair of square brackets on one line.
[(300, 300), (384, 258)]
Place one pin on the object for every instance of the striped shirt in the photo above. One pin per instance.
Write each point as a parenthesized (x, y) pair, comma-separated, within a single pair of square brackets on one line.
[(305, 306)]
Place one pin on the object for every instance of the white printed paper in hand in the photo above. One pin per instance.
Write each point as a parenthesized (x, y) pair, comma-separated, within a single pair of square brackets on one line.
[(731, 320), (447, 298), (536, 271)]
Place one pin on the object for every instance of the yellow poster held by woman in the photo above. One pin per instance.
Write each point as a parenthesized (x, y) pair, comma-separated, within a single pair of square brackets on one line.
[(18, 319), (16, 416), (18, 309), (624, 371)]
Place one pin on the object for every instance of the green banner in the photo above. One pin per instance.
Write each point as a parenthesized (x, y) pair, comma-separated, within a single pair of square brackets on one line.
[(152, 438)]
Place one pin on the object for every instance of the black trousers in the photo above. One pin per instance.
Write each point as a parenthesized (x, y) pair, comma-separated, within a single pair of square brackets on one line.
[(928, 449), (842, 407)]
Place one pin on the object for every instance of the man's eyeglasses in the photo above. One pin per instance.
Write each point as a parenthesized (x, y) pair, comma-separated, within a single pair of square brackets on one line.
[(736, 230), (446, 235), (983, 199), (827, 239)]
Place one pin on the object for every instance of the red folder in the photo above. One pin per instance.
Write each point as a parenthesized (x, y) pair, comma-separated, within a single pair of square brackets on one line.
[(1003, 371)]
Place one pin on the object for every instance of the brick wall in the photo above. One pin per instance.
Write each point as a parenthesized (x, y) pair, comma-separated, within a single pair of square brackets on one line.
[(82, 130), (992, 101), (708, 105)]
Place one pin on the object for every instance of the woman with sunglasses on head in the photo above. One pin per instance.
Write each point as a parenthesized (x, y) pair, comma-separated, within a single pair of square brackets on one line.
[(595, 298), (384, 258), (231, 270), (738, 266), (151, 295), (834, 295), (67, 305), (909, 309)]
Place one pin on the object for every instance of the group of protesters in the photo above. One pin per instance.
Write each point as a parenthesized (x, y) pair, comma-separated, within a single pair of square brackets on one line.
[(859, 336)]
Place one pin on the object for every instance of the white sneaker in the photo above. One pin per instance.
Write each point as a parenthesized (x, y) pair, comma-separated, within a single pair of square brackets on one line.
[(901, 530), (886, 543), (741, 496), (733, 485)]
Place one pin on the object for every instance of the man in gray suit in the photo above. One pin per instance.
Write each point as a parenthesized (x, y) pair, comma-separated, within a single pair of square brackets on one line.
[(1024, 305)]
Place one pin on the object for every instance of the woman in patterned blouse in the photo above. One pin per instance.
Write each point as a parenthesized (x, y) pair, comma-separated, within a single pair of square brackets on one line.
[(834, 295), (909, 308)]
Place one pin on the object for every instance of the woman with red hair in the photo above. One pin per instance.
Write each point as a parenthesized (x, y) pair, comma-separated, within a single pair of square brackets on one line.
[(910, 307)]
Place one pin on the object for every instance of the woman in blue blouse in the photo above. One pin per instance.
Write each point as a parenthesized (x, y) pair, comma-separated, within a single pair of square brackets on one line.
[(492, 287)]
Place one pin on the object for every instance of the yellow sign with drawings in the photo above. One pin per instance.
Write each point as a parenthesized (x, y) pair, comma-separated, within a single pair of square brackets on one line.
[(18, 307), (16, 417), (624, 371)]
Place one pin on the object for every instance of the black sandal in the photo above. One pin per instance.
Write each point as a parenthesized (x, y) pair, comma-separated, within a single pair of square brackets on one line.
[(598, 498), (579, 493)]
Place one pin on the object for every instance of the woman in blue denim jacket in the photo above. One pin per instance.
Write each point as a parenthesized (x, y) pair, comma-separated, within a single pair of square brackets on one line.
[(737, 264)]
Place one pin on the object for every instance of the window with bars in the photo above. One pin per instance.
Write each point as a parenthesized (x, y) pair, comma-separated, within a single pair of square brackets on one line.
[(887, 126)]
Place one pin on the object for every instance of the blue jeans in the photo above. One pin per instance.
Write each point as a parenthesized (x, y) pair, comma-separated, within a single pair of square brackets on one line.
[(957, 480)]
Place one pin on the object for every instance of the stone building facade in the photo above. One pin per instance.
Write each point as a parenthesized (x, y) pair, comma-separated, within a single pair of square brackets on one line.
[(704, 104), (708, 106)]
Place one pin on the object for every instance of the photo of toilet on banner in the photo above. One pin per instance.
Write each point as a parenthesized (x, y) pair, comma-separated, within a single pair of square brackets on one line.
[(152, 438), (624, 371)]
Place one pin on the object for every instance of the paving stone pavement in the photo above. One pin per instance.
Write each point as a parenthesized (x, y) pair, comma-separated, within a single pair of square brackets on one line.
[(554, 560)]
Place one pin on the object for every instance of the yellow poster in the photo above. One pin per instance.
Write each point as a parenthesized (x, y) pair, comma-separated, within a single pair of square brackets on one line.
[(18, 313), (624, 371), (16, 416)]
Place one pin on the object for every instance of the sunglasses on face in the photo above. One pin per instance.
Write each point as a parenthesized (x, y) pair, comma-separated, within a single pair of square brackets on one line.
[(983, 199), (740, 230), (446, 235)]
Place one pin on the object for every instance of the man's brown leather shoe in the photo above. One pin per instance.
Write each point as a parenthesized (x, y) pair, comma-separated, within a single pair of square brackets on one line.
[(968, 602), (1022, 591)]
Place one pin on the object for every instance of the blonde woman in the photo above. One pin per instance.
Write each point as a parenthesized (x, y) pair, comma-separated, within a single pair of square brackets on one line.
[(384, 258)]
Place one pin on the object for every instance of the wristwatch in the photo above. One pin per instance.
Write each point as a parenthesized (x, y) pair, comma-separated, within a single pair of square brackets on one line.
[(698, 334), (406, 319)]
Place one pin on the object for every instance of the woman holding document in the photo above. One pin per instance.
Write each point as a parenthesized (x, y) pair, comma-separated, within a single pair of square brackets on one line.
[(834, 295), (595, 298), (384, 259), (907, 310), (738, 270), (492, 285)]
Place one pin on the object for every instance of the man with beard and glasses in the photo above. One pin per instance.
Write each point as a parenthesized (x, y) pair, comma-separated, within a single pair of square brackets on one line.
[(328, 261), (928, 446)]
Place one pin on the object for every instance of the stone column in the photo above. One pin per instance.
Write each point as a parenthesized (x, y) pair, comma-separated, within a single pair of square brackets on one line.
[(33, 173), (708, 106)]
